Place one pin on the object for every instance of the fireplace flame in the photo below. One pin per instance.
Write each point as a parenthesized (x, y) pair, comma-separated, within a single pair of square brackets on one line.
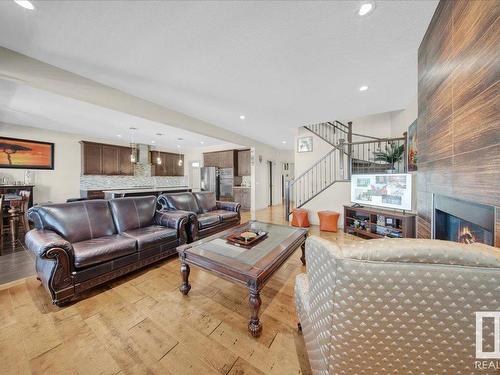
[(466, 235)]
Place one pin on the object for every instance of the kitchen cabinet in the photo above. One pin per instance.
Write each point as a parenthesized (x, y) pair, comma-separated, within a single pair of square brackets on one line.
[(91, 158), (226, 159), (221, 159), (169, 164), (243, 196), (126, 167), (244, 163), (104, 159), (211, 159), (110, 161)]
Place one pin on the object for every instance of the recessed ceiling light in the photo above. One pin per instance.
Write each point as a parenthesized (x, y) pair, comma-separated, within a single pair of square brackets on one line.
[(178, 145), (363, 88), (242, 117), (25, 4), (119, 135), (202, 143), (152, 141), (284, 142), (366, 8)]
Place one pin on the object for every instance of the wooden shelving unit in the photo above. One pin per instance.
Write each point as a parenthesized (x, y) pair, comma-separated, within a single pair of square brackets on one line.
[(378, 223)]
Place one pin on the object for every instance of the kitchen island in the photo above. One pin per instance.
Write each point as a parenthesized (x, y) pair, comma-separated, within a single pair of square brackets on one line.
[(134, 192), (131, 192)]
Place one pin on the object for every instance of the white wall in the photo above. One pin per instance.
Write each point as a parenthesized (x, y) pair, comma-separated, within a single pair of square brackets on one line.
[(378, 125), (401, 120)]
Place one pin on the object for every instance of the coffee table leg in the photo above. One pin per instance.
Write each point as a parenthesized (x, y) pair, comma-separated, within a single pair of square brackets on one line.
[(185, 286), (303, 257), (255, 326)]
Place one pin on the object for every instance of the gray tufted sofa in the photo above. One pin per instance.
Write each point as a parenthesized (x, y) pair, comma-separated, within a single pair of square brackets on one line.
[(396, 306)]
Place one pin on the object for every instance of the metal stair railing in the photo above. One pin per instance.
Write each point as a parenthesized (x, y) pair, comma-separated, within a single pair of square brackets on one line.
[(374, 155)]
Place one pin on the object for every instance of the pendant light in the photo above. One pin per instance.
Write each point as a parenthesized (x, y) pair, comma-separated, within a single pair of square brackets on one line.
[(133, 146), (158, 155), (180, 162)]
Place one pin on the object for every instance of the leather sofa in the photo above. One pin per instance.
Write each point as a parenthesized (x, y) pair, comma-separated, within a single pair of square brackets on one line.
[(79, 245), (206, 215), (390, 306)]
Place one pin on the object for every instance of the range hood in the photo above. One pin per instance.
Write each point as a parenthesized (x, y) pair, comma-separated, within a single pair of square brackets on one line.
[(143, 155)]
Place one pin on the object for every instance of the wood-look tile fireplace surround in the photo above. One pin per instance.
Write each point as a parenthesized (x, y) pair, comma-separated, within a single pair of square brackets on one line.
[(458, 119)]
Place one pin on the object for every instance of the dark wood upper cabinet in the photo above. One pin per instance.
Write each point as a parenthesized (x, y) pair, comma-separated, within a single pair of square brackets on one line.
[(110, 160), (103, 159), (126, 166), (169, 164), (244, 163), (210, 159), (91, 158), (221, 159)]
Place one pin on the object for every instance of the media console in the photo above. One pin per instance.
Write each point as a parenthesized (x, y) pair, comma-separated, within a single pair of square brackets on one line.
[(372, 222)]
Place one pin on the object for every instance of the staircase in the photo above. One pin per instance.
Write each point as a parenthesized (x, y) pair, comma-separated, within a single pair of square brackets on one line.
[(366, 155)]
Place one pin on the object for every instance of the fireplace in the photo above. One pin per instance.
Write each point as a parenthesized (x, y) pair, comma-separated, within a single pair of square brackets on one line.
[(462, 221)]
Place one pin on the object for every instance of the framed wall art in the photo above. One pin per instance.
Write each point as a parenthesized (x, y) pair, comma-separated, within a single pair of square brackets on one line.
[(26, 154), (304, 144)]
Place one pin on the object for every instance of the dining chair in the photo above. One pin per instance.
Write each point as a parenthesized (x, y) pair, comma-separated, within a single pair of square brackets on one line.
[(17, 214), (25, 194)]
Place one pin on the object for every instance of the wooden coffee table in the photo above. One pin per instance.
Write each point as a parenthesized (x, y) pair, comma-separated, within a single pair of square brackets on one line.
[(251, 267)]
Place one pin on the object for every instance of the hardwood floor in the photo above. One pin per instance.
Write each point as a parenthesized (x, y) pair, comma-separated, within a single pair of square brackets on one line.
[(15, 262), (141, 324)]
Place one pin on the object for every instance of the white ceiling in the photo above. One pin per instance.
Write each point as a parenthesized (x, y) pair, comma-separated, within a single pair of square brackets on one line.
[(28, 106), (281, 64)]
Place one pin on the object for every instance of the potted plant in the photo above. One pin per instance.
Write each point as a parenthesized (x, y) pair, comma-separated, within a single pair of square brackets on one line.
[(392, 155)]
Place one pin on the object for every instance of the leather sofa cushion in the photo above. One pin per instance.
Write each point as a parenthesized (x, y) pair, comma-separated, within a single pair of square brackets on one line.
[(208, 220), (98, 250), (206, 201), (75, 221), (182, 201), (133, 212), (225, 215), (152, 235)]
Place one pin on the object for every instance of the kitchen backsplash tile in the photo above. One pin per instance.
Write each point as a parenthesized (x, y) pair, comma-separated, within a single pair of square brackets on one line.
[(88, 182), (246, 181)]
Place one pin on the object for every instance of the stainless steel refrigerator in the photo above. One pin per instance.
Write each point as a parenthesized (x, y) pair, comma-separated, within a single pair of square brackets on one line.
[(218, 180)]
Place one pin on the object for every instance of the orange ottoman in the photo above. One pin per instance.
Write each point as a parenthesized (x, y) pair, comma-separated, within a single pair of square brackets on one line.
[(300, 218), (328, 220)]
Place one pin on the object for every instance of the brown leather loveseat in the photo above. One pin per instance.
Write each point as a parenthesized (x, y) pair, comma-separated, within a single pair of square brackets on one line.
[(206, 214), (79, 245)]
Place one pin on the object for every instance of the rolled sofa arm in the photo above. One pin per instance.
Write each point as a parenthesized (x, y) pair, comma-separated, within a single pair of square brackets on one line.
[(40, 241), (229, 206), (185, 222), (54, 262)]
